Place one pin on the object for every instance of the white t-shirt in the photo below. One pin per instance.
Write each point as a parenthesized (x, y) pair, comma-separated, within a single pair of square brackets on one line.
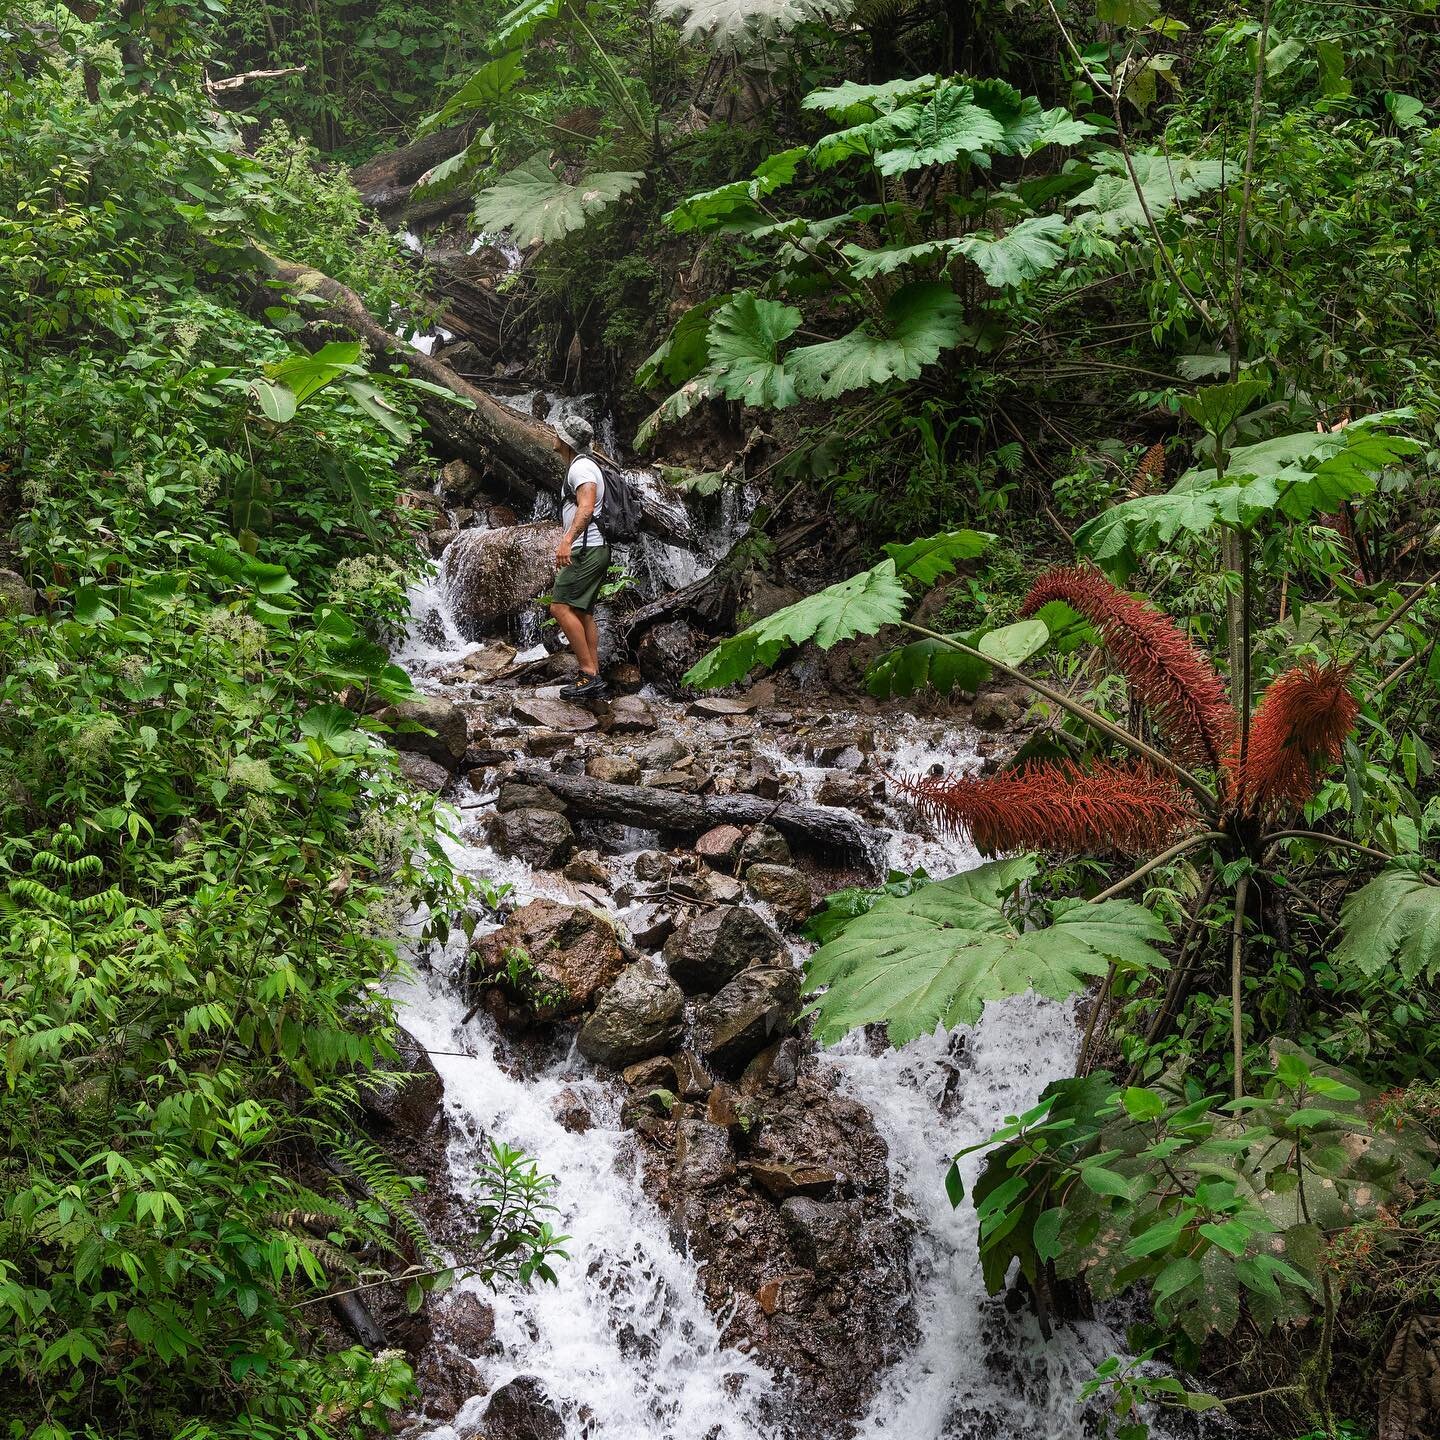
[(583, 471)]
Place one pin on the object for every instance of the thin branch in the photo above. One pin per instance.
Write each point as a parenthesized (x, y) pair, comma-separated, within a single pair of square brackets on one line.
[(1156, 863), (404, 1278), (1237, 960), (1401, 611), (1344, 845), (1080, 712), (239, 82), (1405, 665)]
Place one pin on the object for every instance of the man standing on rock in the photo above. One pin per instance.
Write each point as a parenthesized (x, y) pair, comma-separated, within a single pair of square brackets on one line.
[(582, 558)]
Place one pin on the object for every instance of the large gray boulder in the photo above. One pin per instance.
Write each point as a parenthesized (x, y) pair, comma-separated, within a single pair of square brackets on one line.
[(429, 726), (540, 838), (755, 1008), (493, 575), (716, 946), (571, 953), (639, 1016)]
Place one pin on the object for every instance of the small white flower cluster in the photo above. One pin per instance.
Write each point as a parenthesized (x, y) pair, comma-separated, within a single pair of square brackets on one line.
[(241, 633), (360, 574), (248, 773)]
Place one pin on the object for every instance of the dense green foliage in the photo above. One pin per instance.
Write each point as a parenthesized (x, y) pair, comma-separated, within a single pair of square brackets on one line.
[(207, 854), (920, 268)]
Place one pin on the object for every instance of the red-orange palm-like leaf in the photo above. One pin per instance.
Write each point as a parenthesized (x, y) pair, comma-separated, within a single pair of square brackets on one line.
[(1047, 805), (1178, 685), (1298, 730)]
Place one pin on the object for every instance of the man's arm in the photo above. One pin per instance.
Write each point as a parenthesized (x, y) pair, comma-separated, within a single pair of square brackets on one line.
[(584, 510)]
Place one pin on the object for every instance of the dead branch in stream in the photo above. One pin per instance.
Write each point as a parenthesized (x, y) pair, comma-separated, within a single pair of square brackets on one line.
[(513, 449), (825, 829)]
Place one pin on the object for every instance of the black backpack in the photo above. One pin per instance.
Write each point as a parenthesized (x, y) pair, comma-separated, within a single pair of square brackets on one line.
[(619, 513)]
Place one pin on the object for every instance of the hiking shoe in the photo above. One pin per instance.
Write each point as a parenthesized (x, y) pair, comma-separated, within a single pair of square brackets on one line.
[(592, 687)]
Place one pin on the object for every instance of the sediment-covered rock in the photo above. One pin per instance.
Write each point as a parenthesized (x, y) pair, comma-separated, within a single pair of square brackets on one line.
[(494, 574), (430, 726), (562, 955), (716, 946), (638, 1017)]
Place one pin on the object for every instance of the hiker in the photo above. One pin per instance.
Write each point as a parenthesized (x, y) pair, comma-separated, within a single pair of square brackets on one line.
[(582, 558)]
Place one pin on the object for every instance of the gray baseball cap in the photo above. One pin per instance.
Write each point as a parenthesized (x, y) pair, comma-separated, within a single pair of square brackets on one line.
[(576, 431)]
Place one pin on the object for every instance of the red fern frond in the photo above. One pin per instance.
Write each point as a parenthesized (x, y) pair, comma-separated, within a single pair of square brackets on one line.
[(1179, 685), (1150, 473), (1059, 806), (1298, 730)]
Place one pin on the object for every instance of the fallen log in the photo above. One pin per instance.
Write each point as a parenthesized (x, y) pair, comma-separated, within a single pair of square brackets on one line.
[(511, 448), (818, 826), (384, 182)]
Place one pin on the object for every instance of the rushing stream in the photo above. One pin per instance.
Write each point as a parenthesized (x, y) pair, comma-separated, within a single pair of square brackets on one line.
[(624, 1343)]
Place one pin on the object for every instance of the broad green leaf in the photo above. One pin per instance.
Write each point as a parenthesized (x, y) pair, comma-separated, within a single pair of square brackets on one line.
[(745, 336), (860, 605), (491, 82), (921, 663), (866, 138), (948, 126), (1218, 407), (686, 350), (1014, 644), (925, 561), (456, 172), (738, 24), (676, 407), (536, 207), (276, 402), (1113, 203), (850, 102), (378, 408), (866, 264), (937, 956), (1020, 254), (1393, 922), (1405, 110), (921, 320), (1045, 1233), (710, 209), (517, 25)]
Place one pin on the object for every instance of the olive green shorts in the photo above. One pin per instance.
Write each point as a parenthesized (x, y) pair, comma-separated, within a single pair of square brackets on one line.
[(578, 583)]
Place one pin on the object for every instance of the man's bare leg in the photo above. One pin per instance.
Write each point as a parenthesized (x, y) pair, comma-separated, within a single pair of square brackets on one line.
[(592, 637), (572, 625)]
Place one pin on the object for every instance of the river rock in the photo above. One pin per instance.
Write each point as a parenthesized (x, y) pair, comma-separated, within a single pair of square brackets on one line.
[(640, 1015), (407, 1098), (541, 744), (717, 707), (662, 753), (16, 597), (570, 1109), (554, 714), (423, 772), (494, 574), (613, 769), (540, 838), (650, 926), (784, 889), (451, 737), (995, 710), (781, 1179), (716, 946), (522, 1410), (573, 953), (718, 847), (764, 845), (820, 1231), (630, 715), (746, 1015), (460, 481), (665, 652), (587, 868), (517, 796), (703, 1155), (652, 866)]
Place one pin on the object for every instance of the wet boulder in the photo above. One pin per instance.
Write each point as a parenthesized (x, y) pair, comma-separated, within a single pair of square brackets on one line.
[(523, 1410), (613, 769), (755, 1008), (714, 947), (784, 889), (16, 597), (718, 847), (703, 1156), (665, 652), (429, 726), (423, 772), (641, 1015), (540, 838), (562, 956), (494, 574), (406, 1094), (764, 845)]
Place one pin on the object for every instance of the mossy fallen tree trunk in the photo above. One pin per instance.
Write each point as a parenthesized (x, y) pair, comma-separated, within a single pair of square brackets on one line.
[(513, 450)]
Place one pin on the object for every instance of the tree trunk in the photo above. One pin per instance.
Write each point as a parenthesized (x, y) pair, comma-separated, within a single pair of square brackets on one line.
[(512, 449), (817, 826), (384, 182)]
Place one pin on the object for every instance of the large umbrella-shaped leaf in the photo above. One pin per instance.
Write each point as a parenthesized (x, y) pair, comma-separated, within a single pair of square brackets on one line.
[(745, 338), (535, 206)]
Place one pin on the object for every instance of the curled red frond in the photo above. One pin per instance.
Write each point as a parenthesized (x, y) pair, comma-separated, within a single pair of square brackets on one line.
[(1298, 730), (1059, 806), (1178, 685)]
